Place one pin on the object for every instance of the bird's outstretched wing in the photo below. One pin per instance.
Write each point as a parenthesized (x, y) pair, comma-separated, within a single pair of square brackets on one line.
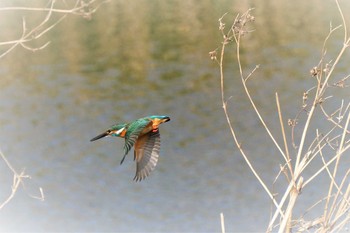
[(133, 131), (146, 154)]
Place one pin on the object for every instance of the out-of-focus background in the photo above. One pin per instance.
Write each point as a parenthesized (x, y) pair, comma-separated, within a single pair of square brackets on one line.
[(139, 58)]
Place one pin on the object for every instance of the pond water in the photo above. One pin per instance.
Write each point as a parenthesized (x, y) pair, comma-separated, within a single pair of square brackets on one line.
[(139, 58)]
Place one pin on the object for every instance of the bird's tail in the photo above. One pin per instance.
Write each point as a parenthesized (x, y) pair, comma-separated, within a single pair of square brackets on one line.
[(123, 159)]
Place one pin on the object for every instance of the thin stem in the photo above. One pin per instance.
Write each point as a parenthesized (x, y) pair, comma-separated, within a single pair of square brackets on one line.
[(233, 133), (286, 157)]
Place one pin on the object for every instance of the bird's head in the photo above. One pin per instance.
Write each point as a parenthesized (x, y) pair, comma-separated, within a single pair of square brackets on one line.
[(159, 119), (117, 130)]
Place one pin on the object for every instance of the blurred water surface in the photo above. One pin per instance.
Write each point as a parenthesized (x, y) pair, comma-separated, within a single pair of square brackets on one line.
[(139, 58)]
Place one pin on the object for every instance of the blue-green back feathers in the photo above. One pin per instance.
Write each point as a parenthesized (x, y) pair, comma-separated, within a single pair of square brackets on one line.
[(133, 130)]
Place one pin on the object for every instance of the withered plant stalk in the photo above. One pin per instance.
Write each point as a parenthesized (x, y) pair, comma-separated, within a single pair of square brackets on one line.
[(81, 8), (336, 137)]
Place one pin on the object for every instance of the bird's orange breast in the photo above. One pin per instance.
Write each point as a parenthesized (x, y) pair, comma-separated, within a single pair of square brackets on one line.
[(122, 134), (152, 126), (147, 129)]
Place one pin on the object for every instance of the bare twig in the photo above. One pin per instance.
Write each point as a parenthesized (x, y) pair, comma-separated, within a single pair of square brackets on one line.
[(80, 8), (336, 203), (17, 180)]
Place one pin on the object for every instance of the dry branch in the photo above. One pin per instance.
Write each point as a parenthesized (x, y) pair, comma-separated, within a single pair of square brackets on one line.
[(337, 202), (81, 8)]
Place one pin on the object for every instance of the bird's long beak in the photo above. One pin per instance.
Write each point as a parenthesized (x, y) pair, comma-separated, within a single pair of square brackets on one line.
[(166, 119), (102, 135)]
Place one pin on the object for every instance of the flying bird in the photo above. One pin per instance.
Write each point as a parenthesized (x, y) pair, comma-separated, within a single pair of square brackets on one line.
[(144, 135)]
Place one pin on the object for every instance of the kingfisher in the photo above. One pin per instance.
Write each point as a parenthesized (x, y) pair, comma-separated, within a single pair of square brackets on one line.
[(144, 134)]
